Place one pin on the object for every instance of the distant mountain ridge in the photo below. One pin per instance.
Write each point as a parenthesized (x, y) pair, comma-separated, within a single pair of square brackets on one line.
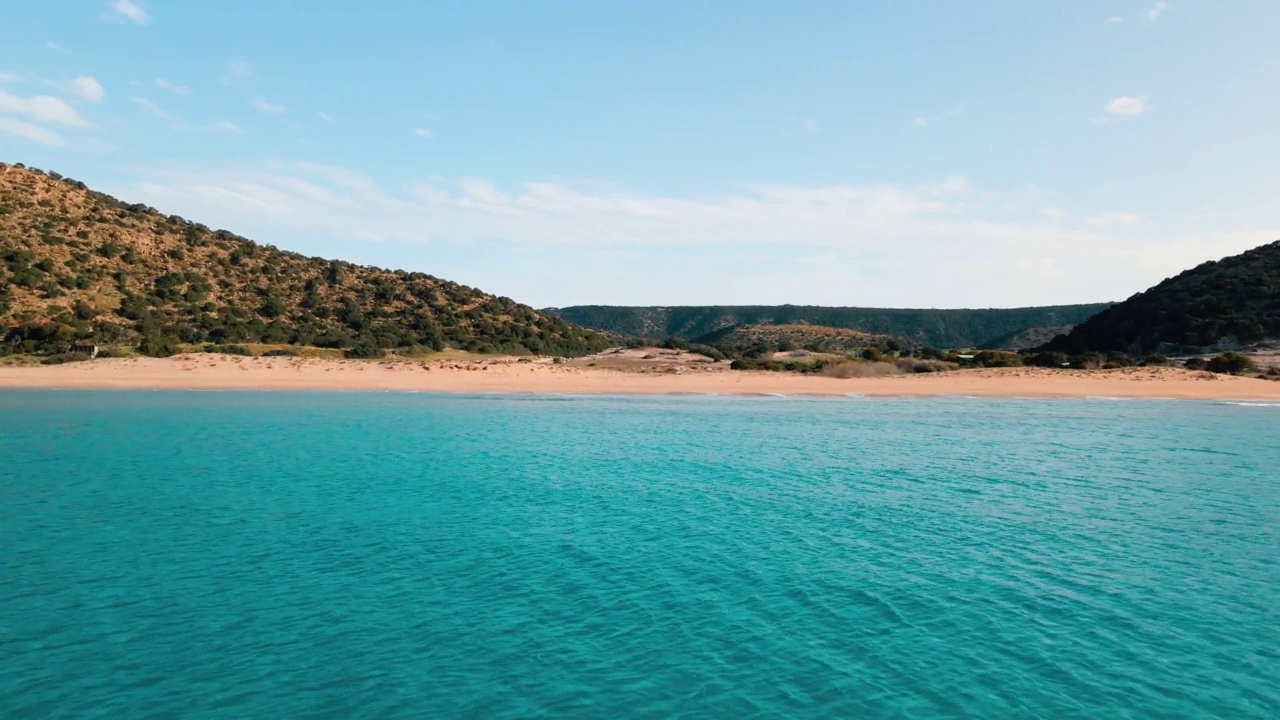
[(78, 265), (994, 328), (1215, 305)]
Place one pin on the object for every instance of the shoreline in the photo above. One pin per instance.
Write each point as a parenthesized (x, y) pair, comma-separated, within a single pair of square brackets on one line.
[(511, 376)]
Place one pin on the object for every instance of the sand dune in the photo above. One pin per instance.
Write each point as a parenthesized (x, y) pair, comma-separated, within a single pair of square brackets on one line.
[(210, 371)]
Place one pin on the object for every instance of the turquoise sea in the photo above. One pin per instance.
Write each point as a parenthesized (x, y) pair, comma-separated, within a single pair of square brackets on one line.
[(278, 555)]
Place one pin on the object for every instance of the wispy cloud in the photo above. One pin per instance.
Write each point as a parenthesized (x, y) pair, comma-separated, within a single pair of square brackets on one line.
[(267, 107), (1112, 218), (921, 122), (324, 116), (1053, 213), (225, 127), (1113, 20), (41, 107), (957, 244), (126, 10), (150, 106), (55, 47), (84, 88), (422, 132), (1157, 10), (237, 71), (172, 88), (27, 131), (8, 77)]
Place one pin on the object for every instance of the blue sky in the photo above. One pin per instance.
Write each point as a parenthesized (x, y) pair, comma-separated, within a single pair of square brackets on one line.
[(904, 153)]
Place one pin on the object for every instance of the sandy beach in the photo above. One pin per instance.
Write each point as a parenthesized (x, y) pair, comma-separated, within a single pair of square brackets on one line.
[(223, 372)]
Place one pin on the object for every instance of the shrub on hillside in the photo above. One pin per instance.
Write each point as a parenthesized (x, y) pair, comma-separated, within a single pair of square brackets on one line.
[(1156, 361), (282, 352), (1194, 363)]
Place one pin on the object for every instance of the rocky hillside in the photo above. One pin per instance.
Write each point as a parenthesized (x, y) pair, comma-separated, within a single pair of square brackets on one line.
[(939, 328), (1218, 305), (77, 264)]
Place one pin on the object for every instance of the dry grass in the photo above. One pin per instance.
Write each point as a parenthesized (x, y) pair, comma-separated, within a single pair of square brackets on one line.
[(859, 369)]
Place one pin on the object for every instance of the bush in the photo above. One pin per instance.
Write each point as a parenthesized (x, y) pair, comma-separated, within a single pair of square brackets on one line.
[(1088, 361), (159, 346), (113, 351), (282, 352), (62, 358), (1231, 363), (363, 351), (231, 350), (1155, 361), (1117, 360), (1195, 363), (1050, 360), (997, 358)]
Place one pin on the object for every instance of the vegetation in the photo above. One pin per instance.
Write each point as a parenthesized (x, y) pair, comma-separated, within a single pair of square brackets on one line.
[(1231, 363), (1001, 329), (1226, 303), (77, 265)]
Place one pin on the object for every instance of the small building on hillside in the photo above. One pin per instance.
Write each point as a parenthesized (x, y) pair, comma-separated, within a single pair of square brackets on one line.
[(90, 350)]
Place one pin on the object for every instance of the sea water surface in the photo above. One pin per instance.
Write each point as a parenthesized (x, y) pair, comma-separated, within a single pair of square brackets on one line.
[(277, 555)]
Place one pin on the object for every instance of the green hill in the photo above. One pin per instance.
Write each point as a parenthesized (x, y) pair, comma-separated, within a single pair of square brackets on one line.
[(1220, 304), (79, 265), (996, 328)]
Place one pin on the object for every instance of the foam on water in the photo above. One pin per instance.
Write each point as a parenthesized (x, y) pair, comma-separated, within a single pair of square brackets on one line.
[(282, 555)]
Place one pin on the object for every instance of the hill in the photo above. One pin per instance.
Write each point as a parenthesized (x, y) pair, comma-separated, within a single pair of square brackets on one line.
[(994, 328), (77, 264), (786, 337), (1216, 305)]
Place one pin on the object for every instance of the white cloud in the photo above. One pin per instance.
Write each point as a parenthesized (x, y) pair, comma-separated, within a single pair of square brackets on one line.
[(28, 131), (237, 72), (225, 127), (170, 87), (810, 125), (1127, 106), (881, 244), (1113, 20), (324, 116), (8, 77), (129, 11), (150, 106), (1112, 218), (269, 108), (422, 132), (921, 122), (84, 88), (1157, 10), (41, 107), (55, 46), (1053, 213)]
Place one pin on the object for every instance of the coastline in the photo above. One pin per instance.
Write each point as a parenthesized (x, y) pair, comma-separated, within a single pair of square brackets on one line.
[(222, 372)]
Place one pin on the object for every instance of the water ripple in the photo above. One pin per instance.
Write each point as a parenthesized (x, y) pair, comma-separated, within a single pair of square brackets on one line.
[(229, 555)]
